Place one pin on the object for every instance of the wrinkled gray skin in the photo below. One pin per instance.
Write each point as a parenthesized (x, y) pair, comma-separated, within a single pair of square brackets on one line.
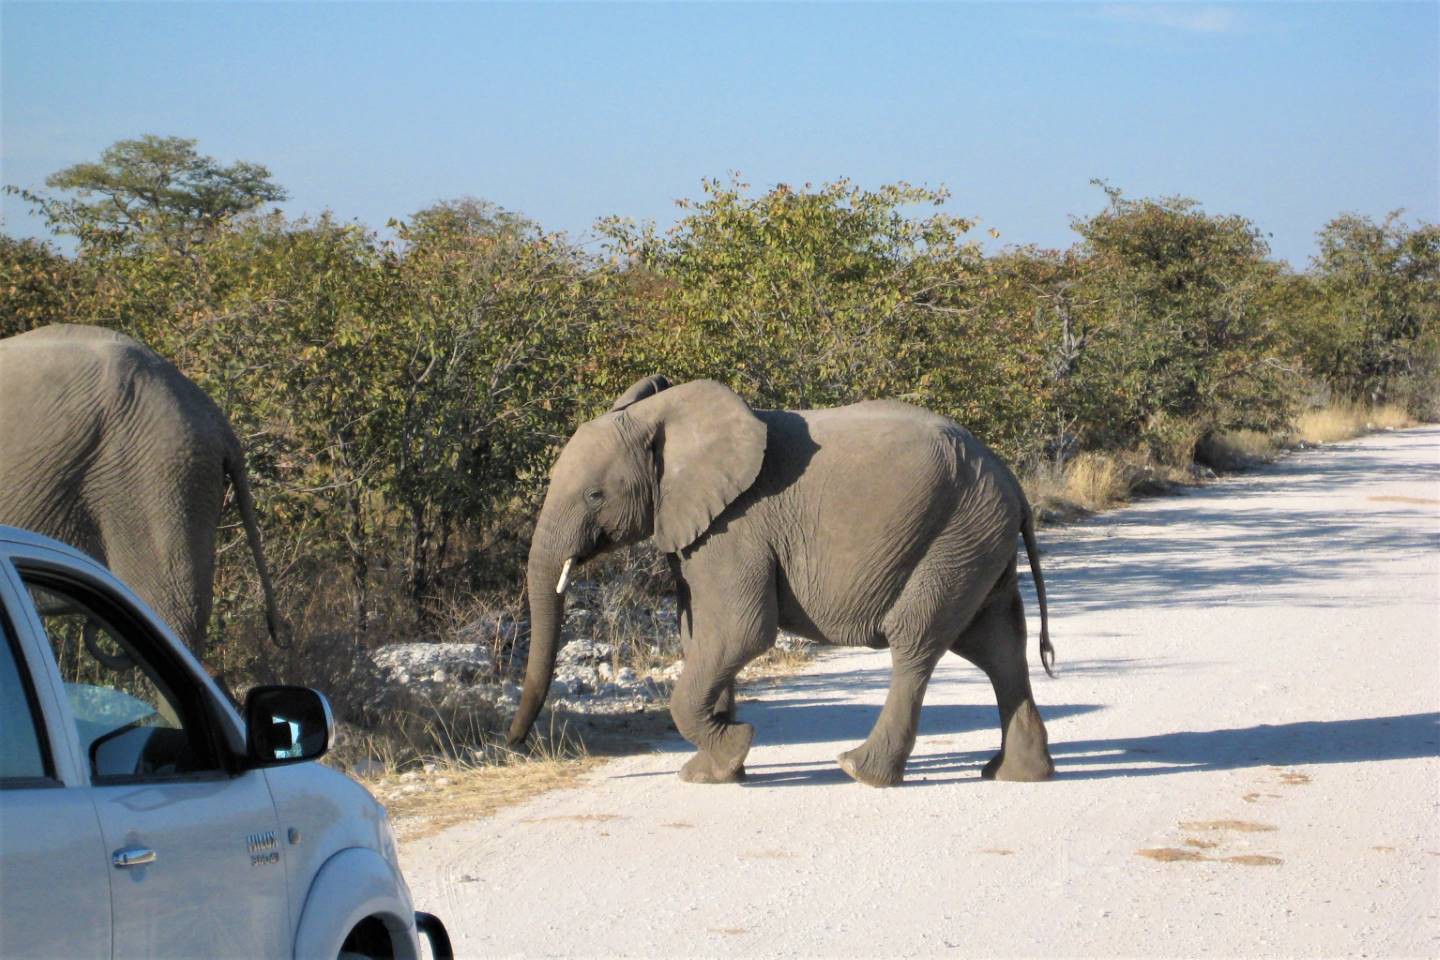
[(106, 446), (878, 524)]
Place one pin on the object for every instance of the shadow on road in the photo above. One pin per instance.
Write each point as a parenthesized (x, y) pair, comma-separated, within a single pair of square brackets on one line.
[(809, 721), (1404, 737), (1165, 553), (1310, 742)]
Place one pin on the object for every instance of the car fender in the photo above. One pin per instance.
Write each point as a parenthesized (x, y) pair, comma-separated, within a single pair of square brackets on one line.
[(353, 884)]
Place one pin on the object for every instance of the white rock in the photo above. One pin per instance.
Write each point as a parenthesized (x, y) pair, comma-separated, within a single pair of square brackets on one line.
[(583, 650)]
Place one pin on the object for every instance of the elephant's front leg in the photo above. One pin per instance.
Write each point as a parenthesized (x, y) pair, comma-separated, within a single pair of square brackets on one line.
[(725, 703), (721, 745), (730, 627), (880, 760)]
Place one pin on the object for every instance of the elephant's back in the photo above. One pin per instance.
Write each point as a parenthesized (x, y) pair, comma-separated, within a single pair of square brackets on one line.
[(83, 394), (889, 437), (110, 368), (67, 333)]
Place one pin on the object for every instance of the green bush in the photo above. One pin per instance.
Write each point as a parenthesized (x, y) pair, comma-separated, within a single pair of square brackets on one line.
[(401, 397)]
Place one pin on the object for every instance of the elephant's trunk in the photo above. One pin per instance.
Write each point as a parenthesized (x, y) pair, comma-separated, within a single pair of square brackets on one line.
[(547, 608)]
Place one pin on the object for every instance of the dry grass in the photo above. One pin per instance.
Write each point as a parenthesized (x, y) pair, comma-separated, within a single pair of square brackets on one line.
[(1344, 421), (1233, 449), (1389, 417), (425, 793), (778, 662), (1099, 480), (1094, 481), (472, 793)]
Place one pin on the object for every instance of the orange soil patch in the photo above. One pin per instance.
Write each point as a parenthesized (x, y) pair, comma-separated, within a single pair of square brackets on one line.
[(576, 818), (1241, 826), (1170, 854)]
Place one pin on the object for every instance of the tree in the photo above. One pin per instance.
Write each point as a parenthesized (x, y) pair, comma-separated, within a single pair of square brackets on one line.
[(37, 285), (153, 187), (1374, 319), (1175, 324), (796, 298), (484, 319)]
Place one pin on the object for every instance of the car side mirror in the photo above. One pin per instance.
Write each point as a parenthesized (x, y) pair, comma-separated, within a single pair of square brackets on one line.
[(286, 725)]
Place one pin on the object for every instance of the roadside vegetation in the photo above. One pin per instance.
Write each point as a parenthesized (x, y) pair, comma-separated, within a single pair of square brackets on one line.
[(401, 391)]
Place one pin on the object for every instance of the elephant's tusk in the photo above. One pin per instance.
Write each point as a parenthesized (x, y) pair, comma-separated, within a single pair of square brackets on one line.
[(564, 576)]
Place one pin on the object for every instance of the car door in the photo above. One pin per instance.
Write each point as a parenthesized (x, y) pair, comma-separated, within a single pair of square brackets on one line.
[(54, 880), (196, 867)]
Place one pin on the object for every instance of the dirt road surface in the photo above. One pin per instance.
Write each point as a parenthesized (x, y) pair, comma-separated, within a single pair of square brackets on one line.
[(1244, 726)]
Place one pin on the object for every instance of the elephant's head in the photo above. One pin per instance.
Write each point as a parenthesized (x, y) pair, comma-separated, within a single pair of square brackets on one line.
[(662, 464)]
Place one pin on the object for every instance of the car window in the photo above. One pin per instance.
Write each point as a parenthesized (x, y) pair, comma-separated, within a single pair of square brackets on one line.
[(22, 757), (128, 720)]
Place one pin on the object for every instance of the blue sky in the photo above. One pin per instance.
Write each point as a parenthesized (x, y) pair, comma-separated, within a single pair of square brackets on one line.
[(1285, 113)]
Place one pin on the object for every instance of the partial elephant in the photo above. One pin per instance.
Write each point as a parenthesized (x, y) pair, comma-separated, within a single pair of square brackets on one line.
[(106, 446), (878, 524)]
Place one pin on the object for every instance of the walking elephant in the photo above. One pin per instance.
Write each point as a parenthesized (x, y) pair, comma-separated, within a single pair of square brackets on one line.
[(877, 524), (106, 446)]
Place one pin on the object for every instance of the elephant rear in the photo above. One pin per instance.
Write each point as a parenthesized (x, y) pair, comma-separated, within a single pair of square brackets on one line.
[(110, 448), (900, 501)]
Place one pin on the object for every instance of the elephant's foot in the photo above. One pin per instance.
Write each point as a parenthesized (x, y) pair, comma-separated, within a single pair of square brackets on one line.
[(1026, 754), (702, 768), (724, 760), (861, 765)]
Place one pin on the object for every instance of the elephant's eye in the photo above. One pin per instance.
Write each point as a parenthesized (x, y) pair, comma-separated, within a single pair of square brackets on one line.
[(595, 496)]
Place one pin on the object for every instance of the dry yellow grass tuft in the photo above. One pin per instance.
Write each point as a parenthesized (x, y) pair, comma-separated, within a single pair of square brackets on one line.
[(1095, 481), (1390, 417), (1343, 421), (433, 771), (451, 795)]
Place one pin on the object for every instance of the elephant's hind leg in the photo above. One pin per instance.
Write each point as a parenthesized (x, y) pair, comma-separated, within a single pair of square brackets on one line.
[(880, 760), (995, 642)]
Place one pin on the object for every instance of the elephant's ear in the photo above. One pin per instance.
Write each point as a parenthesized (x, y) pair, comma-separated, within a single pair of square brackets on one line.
[(643, 388), (708, 447)]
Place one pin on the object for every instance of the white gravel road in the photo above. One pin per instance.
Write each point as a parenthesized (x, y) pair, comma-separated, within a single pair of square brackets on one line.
[(1248, 677)]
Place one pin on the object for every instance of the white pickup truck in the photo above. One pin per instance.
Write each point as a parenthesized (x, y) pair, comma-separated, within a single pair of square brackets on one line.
[(142, 816)]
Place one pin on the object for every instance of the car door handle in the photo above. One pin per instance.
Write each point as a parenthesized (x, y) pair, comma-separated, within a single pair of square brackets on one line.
[(132, 857)]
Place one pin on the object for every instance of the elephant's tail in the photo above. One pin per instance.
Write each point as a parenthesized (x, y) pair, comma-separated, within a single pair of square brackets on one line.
[(235, 467), (1027, 530)]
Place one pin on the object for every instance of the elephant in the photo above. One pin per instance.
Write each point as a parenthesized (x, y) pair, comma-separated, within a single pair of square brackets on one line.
[(878, 524), (107, 446)]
